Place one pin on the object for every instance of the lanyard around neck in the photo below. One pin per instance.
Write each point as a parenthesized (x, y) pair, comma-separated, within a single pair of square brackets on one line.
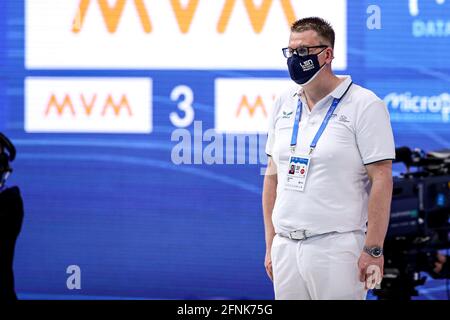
[(298, 117)]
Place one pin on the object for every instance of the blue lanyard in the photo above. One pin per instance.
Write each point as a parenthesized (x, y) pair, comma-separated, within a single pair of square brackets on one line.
[(298, 117)]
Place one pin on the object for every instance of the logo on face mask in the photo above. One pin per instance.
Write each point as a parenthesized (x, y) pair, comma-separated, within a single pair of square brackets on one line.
[(307, 65)]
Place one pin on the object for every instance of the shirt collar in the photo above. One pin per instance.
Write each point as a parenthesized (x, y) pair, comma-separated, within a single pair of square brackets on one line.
[(337, 92), (340, 89)]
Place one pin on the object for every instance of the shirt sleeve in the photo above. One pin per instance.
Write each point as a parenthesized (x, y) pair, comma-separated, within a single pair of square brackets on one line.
[(374, 135), (271, 128)]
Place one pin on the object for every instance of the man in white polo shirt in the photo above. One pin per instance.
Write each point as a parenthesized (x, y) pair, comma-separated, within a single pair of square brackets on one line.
[(328, 185)]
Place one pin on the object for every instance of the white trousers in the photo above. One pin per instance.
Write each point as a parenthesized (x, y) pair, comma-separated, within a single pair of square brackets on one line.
[(319, 268)]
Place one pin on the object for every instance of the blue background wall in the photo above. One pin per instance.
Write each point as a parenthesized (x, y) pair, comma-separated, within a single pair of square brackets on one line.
[(140, 226)]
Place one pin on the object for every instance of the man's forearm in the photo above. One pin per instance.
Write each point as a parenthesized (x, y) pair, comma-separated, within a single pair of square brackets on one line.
[(268, 202), (379, 210)]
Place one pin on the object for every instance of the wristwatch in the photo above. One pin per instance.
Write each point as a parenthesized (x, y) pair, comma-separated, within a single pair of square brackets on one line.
[(375, 251)]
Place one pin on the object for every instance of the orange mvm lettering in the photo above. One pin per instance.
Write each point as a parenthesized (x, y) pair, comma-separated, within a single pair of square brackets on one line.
[(251, 107), (184, 15), (87, 106)]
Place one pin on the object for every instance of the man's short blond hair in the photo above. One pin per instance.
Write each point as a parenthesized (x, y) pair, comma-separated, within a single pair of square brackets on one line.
[(321, 26)]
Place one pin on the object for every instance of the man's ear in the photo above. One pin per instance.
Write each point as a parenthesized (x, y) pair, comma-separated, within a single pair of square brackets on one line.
[(330, 55)]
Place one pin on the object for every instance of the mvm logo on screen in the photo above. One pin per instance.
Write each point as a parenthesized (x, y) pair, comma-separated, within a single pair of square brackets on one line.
[(175, 34), (99, 105), (245, 105)]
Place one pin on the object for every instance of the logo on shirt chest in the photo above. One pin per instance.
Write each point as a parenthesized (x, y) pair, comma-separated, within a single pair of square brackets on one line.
[(344, 119), (341, 118), (287, 115)]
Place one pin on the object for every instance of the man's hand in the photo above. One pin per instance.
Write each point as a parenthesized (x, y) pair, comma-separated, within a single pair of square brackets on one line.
[(268, 264), (370, 270), (439, 264)]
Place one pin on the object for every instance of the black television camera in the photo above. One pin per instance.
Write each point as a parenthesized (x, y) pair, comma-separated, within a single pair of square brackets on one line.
[(419, 222), (11, 217)]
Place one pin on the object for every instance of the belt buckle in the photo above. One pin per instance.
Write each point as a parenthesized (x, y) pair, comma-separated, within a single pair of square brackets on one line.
[(303, 232)]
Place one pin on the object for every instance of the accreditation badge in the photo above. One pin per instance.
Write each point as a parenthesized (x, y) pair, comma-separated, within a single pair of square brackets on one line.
[(297, 172)]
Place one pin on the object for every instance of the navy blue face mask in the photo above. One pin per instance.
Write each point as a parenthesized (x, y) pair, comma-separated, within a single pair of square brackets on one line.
[(303, 69)]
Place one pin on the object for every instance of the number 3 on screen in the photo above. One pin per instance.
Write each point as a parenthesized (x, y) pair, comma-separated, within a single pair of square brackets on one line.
[(184, 105)]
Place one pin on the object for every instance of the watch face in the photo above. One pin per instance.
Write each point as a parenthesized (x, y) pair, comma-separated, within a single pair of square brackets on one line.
[(376, 252)]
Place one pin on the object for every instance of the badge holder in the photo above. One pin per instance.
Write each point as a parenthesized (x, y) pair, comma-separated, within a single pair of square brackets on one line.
[(297, 172)]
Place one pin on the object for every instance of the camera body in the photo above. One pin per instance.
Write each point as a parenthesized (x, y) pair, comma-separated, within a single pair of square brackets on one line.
[(7, 155), (419, 223), (11, 218)]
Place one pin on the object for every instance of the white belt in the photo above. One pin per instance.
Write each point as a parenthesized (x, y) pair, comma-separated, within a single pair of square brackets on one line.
[(301, 234)]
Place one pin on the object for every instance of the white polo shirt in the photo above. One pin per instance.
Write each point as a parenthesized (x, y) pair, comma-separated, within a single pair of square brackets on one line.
[(337, 187)]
